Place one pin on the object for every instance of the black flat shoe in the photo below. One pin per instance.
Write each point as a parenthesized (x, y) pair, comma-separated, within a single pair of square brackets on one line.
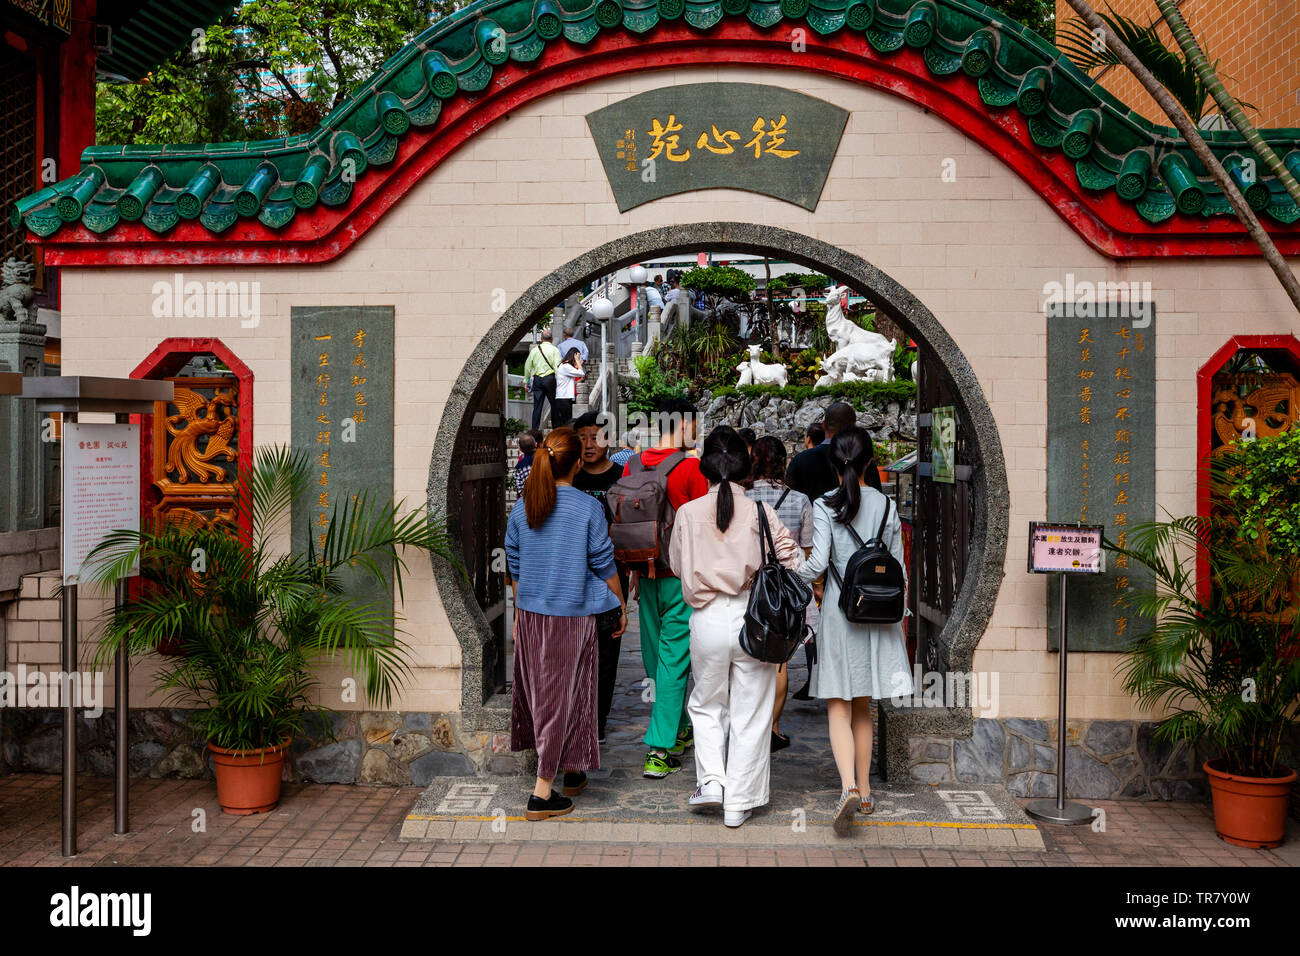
[(779, 741), (574, 783), (556, 806), (802, 692)]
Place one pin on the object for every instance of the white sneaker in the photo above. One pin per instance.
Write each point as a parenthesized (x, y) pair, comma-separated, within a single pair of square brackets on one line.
[(735, 818), (706, 796)]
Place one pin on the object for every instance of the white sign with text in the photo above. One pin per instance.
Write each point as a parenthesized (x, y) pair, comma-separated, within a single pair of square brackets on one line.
[(101, 489)]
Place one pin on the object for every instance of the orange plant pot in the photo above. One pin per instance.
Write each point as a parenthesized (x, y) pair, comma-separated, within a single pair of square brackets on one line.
[(248, 781), (1249, 811)]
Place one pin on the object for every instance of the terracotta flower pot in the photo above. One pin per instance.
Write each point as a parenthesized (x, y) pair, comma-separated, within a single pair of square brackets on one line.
[(248, 781), (1249, 811)]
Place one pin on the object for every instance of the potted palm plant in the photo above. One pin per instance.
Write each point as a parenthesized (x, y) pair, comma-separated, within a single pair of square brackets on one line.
[(251, 620), (1221, 655)]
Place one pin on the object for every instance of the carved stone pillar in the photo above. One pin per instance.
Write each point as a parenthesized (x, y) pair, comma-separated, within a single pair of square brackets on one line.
[(22, 505)]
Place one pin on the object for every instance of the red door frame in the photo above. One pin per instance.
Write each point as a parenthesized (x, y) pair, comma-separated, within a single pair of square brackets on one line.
[(1204, 415), (166, 360)]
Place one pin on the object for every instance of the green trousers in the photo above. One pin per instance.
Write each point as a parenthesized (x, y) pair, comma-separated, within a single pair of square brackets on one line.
[(666, 652)]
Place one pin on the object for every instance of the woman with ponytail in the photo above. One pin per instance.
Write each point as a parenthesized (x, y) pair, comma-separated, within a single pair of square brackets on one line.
[(563, 574), (855, 662), (715, 551)]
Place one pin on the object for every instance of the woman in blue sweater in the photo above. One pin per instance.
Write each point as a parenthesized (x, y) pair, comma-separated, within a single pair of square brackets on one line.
[(563, 574)]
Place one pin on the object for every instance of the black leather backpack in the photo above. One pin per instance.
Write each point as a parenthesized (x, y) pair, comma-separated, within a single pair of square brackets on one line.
[(874, 588), (775, 624)]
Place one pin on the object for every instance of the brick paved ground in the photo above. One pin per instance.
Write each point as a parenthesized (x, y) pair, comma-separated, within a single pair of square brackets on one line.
[(318, 825)]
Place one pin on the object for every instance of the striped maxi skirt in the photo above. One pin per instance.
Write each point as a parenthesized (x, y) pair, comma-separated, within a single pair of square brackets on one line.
[(553, 704)]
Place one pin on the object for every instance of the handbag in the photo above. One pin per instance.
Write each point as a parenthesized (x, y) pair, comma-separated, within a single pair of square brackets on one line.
[(775, 622)]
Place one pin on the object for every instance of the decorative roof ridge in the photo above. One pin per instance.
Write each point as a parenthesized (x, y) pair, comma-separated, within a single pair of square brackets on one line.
[(1147, 165)]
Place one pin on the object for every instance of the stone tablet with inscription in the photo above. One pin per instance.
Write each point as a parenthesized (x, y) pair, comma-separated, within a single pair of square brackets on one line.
[(1101, 445), (763, 139), (341, 399)]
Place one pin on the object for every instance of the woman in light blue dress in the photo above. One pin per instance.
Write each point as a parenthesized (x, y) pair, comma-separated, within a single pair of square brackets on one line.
[(855, 662)]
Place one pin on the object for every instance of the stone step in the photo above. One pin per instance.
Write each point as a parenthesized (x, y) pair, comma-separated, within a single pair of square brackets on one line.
[(620, 806)]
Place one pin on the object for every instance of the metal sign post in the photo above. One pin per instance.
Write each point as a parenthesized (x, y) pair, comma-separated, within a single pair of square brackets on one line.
[(1063, 549), (71, 395)]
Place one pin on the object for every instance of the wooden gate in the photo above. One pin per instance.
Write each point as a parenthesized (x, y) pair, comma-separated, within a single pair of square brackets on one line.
[(482, 523), (945, 515)]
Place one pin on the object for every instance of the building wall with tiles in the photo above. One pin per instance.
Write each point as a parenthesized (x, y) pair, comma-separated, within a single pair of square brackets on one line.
[(529, 193), (1253, 40)]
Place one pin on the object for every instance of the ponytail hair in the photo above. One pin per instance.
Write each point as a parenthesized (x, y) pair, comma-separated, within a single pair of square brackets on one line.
[(851, 454), (556, 455), (725, 459)]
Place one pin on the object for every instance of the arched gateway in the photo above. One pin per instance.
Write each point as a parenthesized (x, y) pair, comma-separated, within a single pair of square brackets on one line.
[(974, 170)]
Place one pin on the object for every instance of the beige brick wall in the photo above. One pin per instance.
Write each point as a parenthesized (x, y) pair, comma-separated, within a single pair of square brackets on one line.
[(528, 195), (1253, 40)]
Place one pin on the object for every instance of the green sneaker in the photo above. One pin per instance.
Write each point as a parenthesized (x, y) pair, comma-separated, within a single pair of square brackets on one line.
[(659, 765), (685, 740)]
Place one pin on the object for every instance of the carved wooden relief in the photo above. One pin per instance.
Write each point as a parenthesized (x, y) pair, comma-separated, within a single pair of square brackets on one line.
[(196, 452)]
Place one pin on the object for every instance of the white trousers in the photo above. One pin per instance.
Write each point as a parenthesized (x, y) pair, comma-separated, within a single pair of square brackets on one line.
[(731, 706)]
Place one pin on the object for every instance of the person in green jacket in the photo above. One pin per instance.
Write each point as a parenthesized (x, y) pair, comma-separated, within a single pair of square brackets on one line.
[(539, 375)]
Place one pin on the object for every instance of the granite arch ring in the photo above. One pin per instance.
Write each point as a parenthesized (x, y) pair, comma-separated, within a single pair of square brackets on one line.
[(974, 604)]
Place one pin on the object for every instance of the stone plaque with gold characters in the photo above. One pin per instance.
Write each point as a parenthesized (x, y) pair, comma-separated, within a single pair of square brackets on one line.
[(763, 139), (1101, 460), (341, 396)]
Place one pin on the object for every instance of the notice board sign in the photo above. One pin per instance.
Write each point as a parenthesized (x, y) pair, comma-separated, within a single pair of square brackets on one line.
[(1065, 548), (943, 444), (101, 490), (1101, 446)]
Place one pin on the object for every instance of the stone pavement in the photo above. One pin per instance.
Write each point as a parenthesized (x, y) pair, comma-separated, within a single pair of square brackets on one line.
[(338, 825), (622, 806)]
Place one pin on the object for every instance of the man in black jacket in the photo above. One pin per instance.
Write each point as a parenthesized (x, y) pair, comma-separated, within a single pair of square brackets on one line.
[(811, 471)]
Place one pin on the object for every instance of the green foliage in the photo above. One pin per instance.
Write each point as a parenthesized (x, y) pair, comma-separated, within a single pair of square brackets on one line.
[(857, 393), (252, 624), (212, 90), (699, 353), (1261, 479), (652, 384), (514, 426), (727, 282), (813, 284), (1219, 659), (903, 359), (1168, 65), (1038, 15)]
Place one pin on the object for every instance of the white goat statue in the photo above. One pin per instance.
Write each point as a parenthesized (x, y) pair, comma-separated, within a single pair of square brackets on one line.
[(756, 372), (859, 355)]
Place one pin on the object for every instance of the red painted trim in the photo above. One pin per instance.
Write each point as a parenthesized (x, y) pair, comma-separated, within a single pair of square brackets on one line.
[(166, 360), (1103, 220), (1204, 416)]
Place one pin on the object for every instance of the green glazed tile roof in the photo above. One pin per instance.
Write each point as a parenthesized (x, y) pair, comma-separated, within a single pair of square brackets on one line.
[(962, 41)]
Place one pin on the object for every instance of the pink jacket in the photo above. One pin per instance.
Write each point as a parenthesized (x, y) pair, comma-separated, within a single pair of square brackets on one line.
[(712, 562)]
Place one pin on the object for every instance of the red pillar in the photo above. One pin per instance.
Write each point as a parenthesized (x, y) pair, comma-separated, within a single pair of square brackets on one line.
[(76, 78)]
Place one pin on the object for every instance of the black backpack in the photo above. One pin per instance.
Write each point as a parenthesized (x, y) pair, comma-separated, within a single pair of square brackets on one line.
[(775, 622), (873, 589)]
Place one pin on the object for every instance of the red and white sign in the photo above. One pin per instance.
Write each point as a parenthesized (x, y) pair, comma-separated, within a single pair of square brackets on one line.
[(1071, 548), (101, 489)]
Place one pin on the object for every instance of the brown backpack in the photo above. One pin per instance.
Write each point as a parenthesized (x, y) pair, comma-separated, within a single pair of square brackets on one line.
[(643, 515)]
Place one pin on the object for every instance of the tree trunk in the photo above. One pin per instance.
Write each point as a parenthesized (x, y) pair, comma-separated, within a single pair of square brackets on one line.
[(771, 313), (1227, 103), (1194, 140)]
